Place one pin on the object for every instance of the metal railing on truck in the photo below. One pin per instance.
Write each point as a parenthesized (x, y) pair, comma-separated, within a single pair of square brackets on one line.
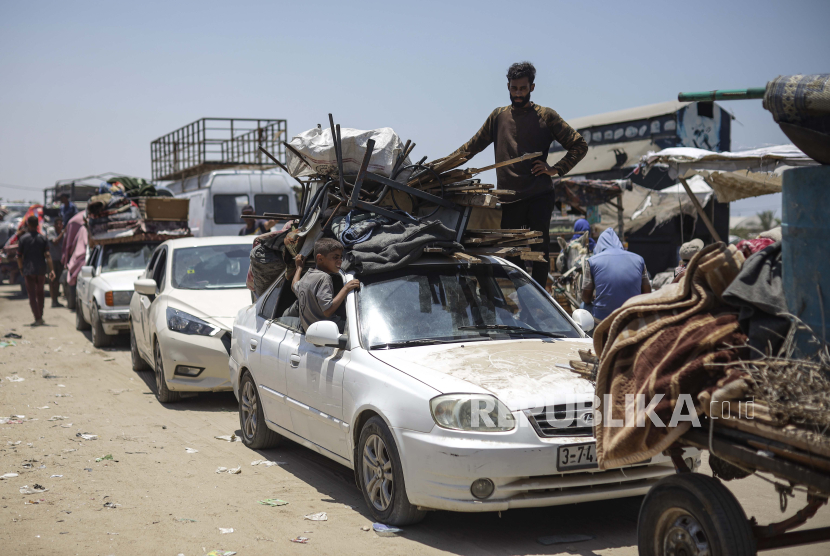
[(215, 143)]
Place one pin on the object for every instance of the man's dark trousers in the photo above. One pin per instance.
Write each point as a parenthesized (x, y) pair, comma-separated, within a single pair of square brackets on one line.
[(534, 213), (34, 287)]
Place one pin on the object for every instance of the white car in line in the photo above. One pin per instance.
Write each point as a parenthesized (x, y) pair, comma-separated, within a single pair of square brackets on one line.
[(183, 310), (105, 287), (448, 389)]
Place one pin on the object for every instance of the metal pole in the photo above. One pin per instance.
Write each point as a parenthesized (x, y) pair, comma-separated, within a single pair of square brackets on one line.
[(700, 211), (620, 219), (723, 94)]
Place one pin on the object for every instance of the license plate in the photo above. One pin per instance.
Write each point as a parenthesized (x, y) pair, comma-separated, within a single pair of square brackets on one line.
[(577, 456)]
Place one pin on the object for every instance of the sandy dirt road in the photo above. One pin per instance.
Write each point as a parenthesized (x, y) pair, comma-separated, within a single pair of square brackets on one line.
[(168, 501)]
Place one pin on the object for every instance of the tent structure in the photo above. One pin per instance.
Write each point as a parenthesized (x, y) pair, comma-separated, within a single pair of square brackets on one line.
[(732, 175)]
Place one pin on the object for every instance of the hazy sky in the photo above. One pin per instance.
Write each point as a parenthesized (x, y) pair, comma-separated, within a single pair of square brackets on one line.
[(85, 86)]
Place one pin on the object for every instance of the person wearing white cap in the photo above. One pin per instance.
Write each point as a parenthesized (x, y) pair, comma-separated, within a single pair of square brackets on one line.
[(687, 251)]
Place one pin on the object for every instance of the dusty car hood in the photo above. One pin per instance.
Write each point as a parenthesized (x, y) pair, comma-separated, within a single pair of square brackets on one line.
[(521, 373), (218, 305), (120, 280)]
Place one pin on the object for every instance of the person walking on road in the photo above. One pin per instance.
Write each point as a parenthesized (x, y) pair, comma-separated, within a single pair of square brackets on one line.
[(519, 129), (55, 237), (33, 259), (616, 275)]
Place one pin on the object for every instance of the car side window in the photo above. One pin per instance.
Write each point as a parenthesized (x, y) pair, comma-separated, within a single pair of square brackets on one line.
[(148, 272), (158, 271), (267, 309), (93, 255)]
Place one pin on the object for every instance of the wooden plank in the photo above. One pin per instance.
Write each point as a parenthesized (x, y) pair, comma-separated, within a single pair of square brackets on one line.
[(488, 201), (498, 251), (501, 231), (464, 257), (535, 256), (531, 241), (776, 433)]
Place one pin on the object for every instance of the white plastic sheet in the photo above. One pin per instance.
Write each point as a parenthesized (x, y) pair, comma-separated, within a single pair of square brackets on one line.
[(317, 147)]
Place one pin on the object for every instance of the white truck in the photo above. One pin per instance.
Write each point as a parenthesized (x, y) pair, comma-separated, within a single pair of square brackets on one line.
[(217, 198)]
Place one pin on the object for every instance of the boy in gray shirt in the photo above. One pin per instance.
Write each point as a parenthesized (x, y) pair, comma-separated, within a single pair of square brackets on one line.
[(315, 290)]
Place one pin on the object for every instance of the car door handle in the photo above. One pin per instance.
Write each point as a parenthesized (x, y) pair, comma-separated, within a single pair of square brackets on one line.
[(295, 360), (253, 345)]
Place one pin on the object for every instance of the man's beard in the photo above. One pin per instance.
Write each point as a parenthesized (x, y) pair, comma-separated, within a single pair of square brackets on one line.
[(520, 102)]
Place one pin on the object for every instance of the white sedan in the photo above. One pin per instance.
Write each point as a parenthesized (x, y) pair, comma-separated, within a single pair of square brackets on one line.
[(449, 388), (105, 287), (183, 310)]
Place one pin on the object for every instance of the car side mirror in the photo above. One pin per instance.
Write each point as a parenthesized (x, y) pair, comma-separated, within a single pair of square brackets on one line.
[(325, 333), (145, 286), (584, 319), (86, 272)]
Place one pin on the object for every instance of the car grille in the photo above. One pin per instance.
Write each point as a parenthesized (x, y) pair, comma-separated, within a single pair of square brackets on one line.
[(226, 341), (562, 420)]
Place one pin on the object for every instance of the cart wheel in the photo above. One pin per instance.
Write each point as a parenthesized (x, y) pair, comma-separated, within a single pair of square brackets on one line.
[(694, 515)]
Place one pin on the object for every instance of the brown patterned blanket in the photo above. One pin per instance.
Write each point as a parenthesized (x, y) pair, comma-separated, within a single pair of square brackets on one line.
[(673, 341)]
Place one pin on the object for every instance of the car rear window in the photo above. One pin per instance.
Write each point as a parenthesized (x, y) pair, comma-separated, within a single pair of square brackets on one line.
[(211, 267)]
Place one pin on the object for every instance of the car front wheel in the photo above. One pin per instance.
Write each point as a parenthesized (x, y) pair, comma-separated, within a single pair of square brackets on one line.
[(255, 433), (381, 476), (163, 394), (99, 337)]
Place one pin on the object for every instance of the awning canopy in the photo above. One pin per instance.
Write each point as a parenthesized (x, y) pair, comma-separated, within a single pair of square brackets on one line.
[(733, 175)]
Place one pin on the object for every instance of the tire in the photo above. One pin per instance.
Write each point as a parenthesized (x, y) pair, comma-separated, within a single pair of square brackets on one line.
[(80, 322), (380, 476), (163, 394), (99, 337), (255, 433), (690, 513), (139, 364)]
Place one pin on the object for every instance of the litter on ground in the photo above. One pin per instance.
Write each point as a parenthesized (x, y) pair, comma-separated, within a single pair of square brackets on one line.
[(273, 502), (300, 540), (87, 436), (36, 489), (385, 530), (322, 516), (57, 417), (227, 531), (11, 476), (228, 438), (232, 471), (102, 458), (267, 463), (15, 378), (191, 451), (221, 553)]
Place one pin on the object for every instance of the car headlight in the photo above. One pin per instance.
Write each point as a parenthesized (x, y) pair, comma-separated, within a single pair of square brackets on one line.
[(471, 412), (179, 321)]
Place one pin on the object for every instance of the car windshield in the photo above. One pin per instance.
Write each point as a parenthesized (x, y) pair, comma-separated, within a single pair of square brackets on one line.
[(127, 256), (211, 267), (449, 303)]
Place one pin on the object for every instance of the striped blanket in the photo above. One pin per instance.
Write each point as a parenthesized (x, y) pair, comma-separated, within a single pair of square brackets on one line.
[(673, 341)]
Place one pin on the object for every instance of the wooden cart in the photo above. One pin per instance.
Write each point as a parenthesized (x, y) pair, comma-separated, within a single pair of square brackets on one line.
[(693, 514)]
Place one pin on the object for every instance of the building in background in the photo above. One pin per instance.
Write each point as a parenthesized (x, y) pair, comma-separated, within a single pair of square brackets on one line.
[(617, 140)]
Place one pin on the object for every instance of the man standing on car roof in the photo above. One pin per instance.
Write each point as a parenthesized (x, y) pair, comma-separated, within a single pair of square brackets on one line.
[(522, 128)]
